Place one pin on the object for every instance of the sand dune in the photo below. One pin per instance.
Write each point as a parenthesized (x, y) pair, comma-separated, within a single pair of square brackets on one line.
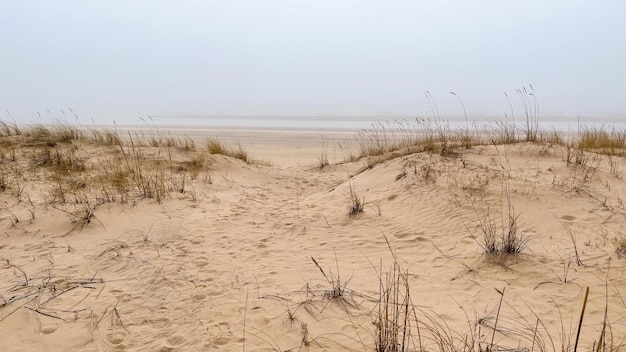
[(227, 264)]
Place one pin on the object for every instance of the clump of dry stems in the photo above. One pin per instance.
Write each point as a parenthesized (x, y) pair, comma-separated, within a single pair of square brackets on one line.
[(75, 169)]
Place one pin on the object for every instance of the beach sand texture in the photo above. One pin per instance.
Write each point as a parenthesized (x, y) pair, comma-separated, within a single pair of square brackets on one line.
[(157, 247)]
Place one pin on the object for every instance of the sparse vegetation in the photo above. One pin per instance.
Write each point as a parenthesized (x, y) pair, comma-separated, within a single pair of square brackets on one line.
[(502, 236), (620, 245), (54, 158), (338, 288), (356, 202), (323, 159), (396, 313), (501, 233), (393, 139), (219, 147), (602, 141)]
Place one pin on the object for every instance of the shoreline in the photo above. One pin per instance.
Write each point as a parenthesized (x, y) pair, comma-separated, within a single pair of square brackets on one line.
[(343, 124)]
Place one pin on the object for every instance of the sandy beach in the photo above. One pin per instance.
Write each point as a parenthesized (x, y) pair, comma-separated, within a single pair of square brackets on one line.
[(301, 249)]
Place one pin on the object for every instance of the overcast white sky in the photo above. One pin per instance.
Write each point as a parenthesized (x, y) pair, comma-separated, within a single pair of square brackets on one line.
[(123, 59)]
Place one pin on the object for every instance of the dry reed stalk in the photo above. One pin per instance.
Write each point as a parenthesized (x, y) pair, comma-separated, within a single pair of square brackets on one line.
[(580, 322)]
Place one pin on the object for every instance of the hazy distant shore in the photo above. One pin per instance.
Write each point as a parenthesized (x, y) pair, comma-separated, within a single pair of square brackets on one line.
[(357, 123)]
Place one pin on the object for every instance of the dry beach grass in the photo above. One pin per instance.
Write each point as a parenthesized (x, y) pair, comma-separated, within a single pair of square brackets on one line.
[(416, 237)]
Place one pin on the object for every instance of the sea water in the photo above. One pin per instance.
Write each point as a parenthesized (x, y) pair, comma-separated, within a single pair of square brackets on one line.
[(358, 123)]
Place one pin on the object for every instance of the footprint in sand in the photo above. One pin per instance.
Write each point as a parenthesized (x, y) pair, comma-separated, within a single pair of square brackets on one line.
[(201, 262), (124, 297), (116, 337), (223, 335), (221, 340), (48, 329), (568, 218), (159, 323), (33, 246), (121, 296), (174, 341), (198, 297)]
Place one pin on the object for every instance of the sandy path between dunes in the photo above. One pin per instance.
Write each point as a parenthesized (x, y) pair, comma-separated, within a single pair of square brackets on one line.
[(182, 275)]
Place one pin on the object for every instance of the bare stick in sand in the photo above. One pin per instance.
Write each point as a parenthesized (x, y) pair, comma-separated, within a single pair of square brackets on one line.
[(582, 314)]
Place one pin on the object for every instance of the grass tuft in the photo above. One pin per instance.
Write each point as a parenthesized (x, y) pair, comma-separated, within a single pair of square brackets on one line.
[(356, 203), (337, 287), (218, 147), (75, 169)]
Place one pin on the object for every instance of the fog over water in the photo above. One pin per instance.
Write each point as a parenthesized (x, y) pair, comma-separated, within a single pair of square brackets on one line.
[(357, 123), (322, 64)]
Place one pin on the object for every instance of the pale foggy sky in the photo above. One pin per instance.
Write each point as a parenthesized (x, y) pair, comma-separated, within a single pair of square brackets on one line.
[(123, 59)]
